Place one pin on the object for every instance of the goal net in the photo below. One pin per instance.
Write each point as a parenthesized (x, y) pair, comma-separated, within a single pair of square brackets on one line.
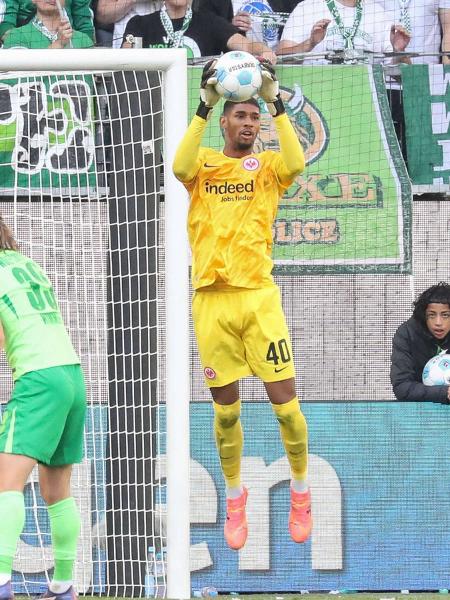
[(85, 186), (351, 250)]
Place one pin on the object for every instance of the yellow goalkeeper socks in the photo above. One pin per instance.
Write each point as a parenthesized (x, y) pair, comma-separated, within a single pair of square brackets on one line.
[(229, 441), (65, 529), (294, 434), (12, 519)]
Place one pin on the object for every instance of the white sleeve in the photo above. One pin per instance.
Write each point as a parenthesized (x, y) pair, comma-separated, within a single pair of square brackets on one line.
[(298, 27), (444, 4), (140, 8)]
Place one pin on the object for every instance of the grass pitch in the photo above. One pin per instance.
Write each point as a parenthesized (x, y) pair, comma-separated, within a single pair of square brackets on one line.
[(357, 596)]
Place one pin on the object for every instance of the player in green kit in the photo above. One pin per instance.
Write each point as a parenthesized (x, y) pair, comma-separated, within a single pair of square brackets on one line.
[(44, 419)]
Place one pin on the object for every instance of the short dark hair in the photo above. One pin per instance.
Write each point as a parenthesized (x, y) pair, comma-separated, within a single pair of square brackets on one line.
[(229, 104), (436, 294)]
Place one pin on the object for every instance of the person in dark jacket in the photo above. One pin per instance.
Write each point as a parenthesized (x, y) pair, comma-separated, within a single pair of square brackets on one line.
[(418, 339)]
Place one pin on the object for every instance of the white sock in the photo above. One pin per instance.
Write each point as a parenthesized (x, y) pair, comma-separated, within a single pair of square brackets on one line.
[(4, 578), (234, 492), (59, 587), (299, 485)]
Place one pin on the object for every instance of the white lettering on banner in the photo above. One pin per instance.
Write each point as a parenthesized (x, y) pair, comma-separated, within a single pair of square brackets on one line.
[(54, 127), (326, 494), (326, 539), (438, 79), (445, 145), (35, 559), (326, 500), (440, 118)]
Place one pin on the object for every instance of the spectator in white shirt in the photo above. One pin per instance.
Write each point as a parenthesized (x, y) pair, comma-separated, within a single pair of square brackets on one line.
[(323, 26), (428, 22)]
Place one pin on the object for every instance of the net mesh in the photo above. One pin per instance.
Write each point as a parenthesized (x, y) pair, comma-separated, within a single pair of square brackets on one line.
[(351, 253), (342, 233), (81, 188), (80, 184)]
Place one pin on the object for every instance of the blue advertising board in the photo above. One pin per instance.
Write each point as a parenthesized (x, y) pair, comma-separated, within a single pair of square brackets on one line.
[(380, 481)]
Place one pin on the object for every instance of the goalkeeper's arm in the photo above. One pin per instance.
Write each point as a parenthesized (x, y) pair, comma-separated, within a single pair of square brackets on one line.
[(186, 163), (2, 337)]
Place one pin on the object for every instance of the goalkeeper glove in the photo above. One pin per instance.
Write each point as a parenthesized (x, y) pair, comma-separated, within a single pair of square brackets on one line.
[(270, 89), (208, 95)]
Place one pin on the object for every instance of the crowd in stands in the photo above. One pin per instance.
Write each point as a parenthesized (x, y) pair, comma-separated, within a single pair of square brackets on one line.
[(268, 28), (308, 31)]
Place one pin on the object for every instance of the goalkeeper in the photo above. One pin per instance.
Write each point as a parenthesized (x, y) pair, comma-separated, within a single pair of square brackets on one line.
[(44, 420), (238, 317)]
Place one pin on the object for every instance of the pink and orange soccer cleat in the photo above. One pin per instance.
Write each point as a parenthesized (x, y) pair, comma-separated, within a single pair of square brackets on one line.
[(235, 528), (300, 520)]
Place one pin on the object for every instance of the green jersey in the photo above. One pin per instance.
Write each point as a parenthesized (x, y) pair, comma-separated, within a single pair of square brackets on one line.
[(35, 35), (35, 335)]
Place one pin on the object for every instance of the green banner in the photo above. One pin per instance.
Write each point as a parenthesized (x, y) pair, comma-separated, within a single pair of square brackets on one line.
[(350, 211), (47, 144), (426, 101)]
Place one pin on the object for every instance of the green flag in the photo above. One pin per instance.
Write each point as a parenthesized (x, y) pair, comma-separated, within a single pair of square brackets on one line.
[(426, 102), (47, 137)]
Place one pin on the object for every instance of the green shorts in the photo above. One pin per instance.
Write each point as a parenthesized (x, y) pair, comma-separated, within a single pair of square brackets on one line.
[(45, 417)]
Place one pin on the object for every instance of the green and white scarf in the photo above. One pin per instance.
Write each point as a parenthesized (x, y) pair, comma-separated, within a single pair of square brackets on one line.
[(44, 30), (405, 17), (347, 35), (173, 39)]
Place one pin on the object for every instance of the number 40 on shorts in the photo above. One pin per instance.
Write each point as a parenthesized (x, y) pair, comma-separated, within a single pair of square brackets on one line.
[(278, 352)]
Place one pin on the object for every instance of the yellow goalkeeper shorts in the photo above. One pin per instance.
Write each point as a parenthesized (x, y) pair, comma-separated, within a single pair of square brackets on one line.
[(240, 333)]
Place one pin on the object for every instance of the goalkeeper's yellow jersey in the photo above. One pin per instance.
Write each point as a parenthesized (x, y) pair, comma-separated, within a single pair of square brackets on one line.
[(233, 206)]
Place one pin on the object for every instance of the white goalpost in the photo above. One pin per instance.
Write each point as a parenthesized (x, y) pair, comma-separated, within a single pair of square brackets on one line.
[(175, 394)]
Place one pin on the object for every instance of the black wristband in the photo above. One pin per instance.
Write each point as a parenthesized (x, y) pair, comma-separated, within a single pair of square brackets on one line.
[(203, 110), (278, 106)]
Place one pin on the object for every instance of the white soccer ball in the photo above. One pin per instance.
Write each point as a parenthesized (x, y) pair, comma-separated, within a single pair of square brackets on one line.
[(238, 76), (437, 370)]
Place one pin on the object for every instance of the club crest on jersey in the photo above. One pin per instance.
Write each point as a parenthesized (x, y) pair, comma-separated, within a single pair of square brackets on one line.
[(209, 373), (251, 163)]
